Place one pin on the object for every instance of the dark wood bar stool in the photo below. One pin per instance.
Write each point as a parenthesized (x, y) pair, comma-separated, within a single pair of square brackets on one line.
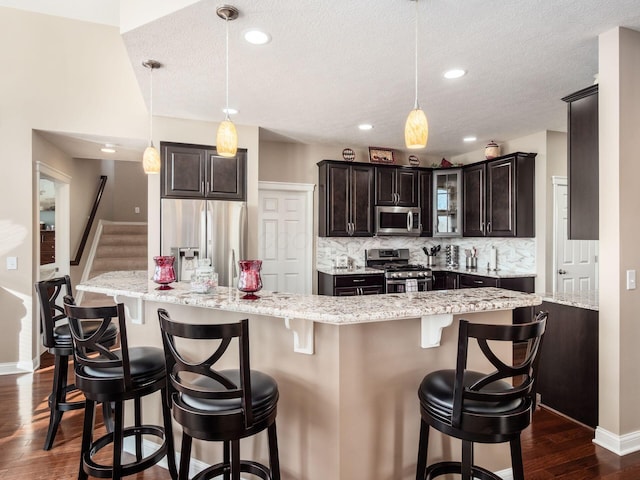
[(114, 376), (481, 408), (219, 405), (56, 337)]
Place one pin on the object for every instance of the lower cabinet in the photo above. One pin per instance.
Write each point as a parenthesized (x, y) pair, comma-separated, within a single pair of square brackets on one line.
[(568, 376), (47, 247), (350, 285), (443, 280)]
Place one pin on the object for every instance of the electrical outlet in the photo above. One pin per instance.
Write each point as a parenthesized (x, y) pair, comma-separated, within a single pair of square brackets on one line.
[(12, 263), (136, 209), (631, 279)]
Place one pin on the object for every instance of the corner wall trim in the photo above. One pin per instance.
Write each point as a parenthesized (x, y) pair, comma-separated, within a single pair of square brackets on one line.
[(619, 444)]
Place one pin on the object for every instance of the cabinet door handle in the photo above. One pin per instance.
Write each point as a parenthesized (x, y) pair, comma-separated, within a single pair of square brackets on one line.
[(482, 227), (489, 227), (409, 221), (358, 280), (479, 282)]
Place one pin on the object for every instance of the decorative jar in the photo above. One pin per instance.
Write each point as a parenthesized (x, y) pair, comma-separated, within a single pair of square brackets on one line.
[(249, 280), (492, 150), (205, 279), (164, 273)]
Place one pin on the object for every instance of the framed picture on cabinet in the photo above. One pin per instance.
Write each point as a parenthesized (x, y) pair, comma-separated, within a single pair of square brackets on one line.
[(381, 155)]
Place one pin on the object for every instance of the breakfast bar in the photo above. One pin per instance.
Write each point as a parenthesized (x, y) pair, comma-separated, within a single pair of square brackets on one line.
[(348, 368)]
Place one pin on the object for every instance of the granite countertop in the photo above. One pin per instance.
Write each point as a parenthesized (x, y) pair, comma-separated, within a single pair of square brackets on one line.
[(357, 270), (484, 272), (318, 308), (588, 299)]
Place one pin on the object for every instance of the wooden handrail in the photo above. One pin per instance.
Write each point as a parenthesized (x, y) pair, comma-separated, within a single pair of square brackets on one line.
[(92, 216)]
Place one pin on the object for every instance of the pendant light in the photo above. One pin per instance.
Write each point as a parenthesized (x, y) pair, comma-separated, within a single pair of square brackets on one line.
[(416, 128), (227, 138), (151, 156)]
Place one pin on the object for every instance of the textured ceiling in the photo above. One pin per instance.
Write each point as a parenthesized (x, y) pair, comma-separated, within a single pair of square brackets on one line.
[(334, 64)]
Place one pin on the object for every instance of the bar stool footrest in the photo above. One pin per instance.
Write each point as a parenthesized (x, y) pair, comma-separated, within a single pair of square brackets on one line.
[(444, 468), (246, 466), (106, 471)]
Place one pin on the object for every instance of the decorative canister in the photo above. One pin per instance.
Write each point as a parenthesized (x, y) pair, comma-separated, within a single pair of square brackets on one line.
[(250, 281), (205, 279), (492, 150), (164, 274)]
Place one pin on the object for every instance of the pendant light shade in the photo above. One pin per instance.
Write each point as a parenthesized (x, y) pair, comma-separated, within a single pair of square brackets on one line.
[(151, 156), (227, 137), (416, 128)]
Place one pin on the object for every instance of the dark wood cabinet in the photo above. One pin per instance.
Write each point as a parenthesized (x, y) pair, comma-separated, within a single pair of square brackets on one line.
[(582, 164), (47, 247), (425, 201), (350, 285), (197, 171), (345, 192), (499, 197), (443, 280), (396, 186), (476, 281), (473, 194), (568, 377)]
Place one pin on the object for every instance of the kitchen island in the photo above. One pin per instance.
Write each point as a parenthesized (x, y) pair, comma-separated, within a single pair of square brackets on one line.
[(348, 405)]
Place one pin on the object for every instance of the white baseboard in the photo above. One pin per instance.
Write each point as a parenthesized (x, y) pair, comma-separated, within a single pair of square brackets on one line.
[(618, 444), (12, 368), (197, 466), (148, 447)]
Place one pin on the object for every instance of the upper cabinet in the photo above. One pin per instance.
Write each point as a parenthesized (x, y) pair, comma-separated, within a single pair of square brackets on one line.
[(425, 201), (396, 186), (582, 168), (345, 199), (197, 171), (499, 197), (447, 207)]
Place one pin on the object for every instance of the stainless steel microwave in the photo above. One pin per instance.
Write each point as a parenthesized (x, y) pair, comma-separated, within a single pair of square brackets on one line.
[(398, 221)]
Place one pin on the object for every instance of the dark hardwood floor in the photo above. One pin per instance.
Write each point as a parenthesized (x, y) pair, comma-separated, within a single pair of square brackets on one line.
[(553, 447)]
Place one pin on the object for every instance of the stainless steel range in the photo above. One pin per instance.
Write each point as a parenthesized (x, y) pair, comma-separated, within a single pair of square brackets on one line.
[(400, 276)]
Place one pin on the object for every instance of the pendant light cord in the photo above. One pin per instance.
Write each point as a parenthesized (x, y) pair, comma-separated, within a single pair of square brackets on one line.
[(416, 107), (226, 23), (151, 107)]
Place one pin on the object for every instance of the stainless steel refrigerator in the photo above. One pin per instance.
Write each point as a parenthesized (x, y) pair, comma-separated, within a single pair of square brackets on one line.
[(216, 229)]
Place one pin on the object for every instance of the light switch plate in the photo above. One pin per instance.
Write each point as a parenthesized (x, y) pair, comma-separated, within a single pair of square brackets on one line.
[(12, 263), (631, 279)]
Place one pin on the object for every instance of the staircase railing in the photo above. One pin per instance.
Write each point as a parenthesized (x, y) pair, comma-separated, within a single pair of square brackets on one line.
[(92, 216)]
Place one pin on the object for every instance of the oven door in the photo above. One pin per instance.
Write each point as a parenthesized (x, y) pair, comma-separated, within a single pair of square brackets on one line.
[(400, 285), (398, 221)]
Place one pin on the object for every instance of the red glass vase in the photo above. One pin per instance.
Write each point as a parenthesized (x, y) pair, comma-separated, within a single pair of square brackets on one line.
[(164, 273), (250, 281)]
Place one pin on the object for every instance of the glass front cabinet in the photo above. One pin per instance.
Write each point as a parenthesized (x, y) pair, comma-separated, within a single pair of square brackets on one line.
[(447, 205)]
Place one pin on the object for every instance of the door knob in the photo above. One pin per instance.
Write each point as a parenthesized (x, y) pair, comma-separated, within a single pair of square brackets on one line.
[(561, 272)]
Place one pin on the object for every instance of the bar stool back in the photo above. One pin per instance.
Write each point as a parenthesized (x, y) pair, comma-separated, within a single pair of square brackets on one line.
[(56, 337), (481, 408), (219, 405), (114, 376)]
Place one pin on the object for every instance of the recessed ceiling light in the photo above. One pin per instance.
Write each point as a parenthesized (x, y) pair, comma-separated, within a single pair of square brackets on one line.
[(365, 126), (455, 73), (108, 148), (230, 111), (256, 36), (469, 139)]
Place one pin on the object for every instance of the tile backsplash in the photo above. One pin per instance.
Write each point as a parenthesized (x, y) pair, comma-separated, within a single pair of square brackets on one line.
[(515, 254)]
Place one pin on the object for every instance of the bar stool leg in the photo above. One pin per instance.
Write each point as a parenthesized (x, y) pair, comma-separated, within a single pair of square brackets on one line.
[(87, 433), (274, 461), (423, 446), (168, 435), (118, 440), (185, 457), (226, 459), (58, 395), (235, 459), (516, 459), (467, 459), (137, 415)]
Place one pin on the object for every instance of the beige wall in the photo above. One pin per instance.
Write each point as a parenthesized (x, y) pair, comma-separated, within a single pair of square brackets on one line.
[(619, 117), (58, 75)]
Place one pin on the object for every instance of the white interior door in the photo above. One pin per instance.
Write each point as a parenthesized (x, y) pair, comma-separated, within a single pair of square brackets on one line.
[(285, 236), (575, 264)]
